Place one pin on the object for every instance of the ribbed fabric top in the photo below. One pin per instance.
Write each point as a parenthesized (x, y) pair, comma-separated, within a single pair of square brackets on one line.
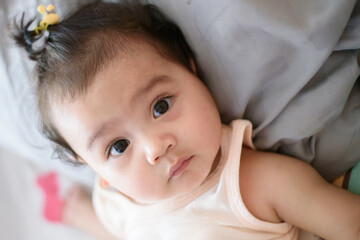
[(214, 210)]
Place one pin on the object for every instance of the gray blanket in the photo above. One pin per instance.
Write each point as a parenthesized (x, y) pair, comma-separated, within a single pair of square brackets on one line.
[(291, 67), (288, 66)]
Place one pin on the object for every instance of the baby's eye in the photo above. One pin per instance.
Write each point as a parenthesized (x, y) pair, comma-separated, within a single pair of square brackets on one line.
[(119, 147), (161, 106)]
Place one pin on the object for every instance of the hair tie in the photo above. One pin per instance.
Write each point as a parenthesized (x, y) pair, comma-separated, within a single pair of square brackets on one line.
[(49, 18)]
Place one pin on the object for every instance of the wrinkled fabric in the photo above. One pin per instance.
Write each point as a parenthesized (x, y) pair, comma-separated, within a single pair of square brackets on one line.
[(290, 67), (19, 118)]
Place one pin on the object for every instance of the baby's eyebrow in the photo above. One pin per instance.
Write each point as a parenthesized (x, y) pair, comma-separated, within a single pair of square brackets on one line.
[(98, 133), (153, 83)]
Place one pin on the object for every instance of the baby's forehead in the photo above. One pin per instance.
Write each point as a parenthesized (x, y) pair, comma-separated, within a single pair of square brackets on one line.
[(133, 72), (137, 59)]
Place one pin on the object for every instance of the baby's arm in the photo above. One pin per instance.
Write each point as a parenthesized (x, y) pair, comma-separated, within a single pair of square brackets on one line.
[(279, 188), (78, 212)]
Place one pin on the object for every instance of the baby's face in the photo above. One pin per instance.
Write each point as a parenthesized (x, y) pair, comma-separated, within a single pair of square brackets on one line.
[(147, 125)]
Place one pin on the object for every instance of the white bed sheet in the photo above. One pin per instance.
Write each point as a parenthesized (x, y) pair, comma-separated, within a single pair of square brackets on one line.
[(21, 202)]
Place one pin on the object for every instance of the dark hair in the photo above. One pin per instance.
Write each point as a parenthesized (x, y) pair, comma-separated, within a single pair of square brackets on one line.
[(80, 45)]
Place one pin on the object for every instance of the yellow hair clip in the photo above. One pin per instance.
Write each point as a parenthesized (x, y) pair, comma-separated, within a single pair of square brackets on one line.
[(49, 18)]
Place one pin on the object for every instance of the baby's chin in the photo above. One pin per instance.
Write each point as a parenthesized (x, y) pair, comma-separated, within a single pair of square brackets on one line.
[(150, 200), (180, 186)]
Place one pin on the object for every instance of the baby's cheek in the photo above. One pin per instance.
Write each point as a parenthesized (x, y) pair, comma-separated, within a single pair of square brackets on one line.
[(141, 187)]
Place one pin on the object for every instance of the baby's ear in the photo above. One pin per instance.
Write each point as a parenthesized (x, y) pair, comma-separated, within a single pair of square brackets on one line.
[(76, 160), (193, 66), (80, 160)]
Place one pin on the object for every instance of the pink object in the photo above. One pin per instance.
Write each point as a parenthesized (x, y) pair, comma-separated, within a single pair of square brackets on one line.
[(53, 204)]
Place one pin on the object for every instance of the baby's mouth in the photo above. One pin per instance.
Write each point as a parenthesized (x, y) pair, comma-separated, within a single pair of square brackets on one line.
[(179, 166)]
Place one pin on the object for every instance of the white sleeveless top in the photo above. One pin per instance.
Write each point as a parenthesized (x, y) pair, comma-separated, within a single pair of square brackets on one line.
[(214, 210)]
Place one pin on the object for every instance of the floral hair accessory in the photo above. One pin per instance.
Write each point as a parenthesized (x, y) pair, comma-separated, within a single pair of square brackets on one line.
[(49, 18)]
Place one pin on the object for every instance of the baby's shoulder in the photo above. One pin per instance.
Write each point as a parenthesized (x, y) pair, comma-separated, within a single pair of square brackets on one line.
[(266, 178), (260, 173), (268, 167)]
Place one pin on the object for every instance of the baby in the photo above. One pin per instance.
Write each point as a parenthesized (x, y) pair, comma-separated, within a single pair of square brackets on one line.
[(119, 90)]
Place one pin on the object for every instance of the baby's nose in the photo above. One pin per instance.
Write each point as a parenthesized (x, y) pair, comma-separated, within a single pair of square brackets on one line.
[(158, 146)]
